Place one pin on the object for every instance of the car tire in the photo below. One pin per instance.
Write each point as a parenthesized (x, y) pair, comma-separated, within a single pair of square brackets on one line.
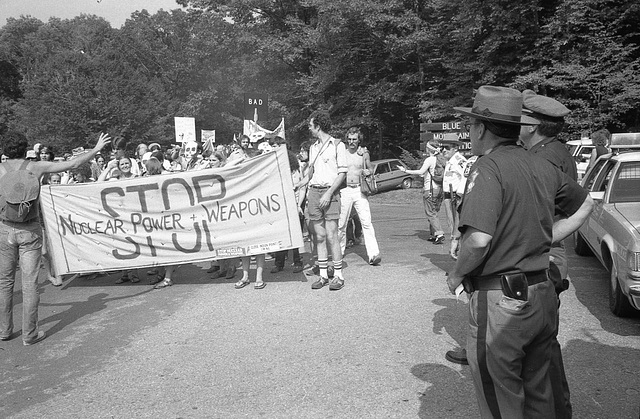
[(618, 302), (581, 246), (406, 183)]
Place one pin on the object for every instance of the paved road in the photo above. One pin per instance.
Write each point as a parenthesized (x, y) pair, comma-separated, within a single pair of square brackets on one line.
[(202, 349)]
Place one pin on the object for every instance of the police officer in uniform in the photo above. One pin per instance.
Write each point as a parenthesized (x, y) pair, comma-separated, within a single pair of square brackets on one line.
[(503, 260), (542, 140)]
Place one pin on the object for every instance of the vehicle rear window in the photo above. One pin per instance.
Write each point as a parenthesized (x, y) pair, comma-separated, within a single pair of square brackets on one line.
[(626, 187)]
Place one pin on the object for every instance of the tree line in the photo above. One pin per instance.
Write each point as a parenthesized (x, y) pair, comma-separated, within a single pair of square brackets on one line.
[(386, 65)]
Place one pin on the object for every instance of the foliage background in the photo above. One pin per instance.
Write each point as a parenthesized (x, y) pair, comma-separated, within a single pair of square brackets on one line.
[(386, 65)]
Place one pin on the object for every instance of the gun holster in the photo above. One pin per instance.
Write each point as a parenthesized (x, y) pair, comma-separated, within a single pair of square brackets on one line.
[(515, 286)]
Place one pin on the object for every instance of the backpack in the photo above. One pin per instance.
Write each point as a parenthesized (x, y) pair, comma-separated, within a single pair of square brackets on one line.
[(19, 193), (438, 172)]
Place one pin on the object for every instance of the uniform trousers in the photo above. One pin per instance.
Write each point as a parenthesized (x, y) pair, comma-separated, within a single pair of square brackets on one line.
[(353, 197), (20, 242), (562, 396), (508, 349)]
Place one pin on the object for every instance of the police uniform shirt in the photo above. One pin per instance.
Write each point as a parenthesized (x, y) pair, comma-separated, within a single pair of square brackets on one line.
[(510, 195), (555, 152)]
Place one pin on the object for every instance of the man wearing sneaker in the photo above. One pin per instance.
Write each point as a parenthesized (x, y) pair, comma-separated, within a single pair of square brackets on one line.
[(358, 161), (432, 192), (327, 170)]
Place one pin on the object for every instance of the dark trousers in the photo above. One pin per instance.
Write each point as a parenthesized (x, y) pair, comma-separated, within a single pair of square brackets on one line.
[(282, 254), (354, 227)]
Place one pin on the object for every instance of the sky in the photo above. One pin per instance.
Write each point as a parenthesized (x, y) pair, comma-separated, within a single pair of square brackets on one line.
[(114, 11)]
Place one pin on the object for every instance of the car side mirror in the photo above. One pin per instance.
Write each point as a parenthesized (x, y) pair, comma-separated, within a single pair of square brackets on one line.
[(597, 196)]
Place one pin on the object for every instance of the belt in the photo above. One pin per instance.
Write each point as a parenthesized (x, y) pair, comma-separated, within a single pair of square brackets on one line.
[(353, 185), (494, 282), (319, 187)]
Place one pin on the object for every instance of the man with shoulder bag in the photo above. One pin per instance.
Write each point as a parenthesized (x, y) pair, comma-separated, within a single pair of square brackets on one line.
[(353, 195)]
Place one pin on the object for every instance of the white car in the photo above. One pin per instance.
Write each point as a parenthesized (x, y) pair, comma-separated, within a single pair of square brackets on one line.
[(581, 152), (612, 231)]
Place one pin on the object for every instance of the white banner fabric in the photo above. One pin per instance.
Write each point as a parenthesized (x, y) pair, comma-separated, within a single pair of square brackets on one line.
[(236, 210)]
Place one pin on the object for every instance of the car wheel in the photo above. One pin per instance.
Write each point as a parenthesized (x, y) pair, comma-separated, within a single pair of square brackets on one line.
[(618, 302), (581, 247), (406, 183)]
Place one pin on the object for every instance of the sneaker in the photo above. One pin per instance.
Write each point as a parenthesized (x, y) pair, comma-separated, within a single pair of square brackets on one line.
[(336, 284), (375, 260), (298, 267), (439, 239), (321, 282), (40, 337)]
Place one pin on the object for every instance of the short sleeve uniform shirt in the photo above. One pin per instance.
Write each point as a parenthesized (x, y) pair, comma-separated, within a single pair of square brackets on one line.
[(510, 195)]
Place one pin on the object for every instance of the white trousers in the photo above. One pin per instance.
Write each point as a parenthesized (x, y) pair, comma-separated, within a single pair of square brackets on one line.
[(353, 197)]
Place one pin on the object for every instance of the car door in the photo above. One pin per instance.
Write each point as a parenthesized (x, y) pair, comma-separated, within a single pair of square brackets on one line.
[(598, 191), (395, 174), (383, 176)]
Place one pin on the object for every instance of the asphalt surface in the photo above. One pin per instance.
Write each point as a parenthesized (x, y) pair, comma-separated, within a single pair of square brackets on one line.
[(375, 349)]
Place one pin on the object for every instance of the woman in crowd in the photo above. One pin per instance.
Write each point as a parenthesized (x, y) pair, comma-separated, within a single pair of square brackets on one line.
[(97, 166), (226, 267), (120, 168), (117, 169)]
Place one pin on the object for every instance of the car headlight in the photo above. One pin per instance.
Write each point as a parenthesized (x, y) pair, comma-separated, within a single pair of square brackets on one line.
[(633, 261)]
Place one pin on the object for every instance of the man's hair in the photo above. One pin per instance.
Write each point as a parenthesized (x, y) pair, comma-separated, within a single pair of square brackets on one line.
[(550, 127), (305, 146), (509, 131), (600, 137), (355, 130), (322, 120), (154, 166), (14, 145)]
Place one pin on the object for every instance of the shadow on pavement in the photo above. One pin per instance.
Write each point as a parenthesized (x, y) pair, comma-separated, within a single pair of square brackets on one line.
[(610, 395), (449, 393), (79, 309), (452, 319)]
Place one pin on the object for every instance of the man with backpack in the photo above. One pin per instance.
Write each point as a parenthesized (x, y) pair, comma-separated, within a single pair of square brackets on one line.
[(21, 232), (432, 171)]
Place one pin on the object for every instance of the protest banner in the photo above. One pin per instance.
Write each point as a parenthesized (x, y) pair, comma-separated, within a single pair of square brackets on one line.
[(244, 209)]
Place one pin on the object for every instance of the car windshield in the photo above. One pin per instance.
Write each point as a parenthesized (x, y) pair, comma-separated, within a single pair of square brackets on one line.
[(626, 187)]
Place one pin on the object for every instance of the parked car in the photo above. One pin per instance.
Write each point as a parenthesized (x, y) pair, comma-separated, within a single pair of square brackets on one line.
[(612, 231), (581, 149), (581, 152), (388, 176)]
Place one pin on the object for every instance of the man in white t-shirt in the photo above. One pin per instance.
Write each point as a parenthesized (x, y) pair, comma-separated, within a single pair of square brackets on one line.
[(327, 170)]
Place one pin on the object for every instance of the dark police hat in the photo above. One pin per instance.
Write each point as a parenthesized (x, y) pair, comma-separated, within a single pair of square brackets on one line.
[(542, 107)]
